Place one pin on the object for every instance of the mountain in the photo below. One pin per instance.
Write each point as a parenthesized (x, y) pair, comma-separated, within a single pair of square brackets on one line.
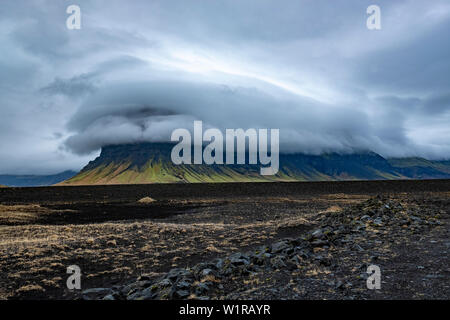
[(420, 168), (35, 180), (151, 163)]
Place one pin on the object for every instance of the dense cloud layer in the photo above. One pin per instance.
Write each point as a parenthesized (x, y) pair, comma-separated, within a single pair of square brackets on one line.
[(138, 70)]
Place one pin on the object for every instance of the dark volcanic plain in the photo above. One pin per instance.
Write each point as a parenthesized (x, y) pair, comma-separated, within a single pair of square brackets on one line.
[(402, 226)]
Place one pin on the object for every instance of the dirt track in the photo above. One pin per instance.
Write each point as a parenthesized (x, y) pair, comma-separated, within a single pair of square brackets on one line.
[(114, 239)]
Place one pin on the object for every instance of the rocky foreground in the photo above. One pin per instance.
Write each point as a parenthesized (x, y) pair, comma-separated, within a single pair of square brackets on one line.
[(328, 262)]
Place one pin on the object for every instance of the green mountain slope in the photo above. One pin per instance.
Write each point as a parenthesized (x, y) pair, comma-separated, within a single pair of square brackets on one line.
[(151, 163), (420, 168)]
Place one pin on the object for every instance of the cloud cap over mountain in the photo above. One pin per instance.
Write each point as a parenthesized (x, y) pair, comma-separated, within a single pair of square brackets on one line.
[(135, 71)]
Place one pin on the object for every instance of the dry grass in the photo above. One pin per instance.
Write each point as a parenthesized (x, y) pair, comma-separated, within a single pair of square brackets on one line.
[(38, 255), (21, 213), (332, 209)]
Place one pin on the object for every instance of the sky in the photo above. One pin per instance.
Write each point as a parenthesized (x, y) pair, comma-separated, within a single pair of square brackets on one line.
[(136, 70)]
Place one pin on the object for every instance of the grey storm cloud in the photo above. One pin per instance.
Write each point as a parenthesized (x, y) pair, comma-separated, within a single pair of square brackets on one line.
[(137, 108), (137, 70), (73, 87)]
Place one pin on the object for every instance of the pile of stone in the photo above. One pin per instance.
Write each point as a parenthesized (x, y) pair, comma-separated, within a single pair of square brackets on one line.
[(373, 215), (203, 280)]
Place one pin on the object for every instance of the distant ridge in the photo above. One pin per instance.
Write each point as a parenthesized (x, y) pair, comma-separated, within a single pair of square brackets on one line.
[(35, 180), (151, 163)]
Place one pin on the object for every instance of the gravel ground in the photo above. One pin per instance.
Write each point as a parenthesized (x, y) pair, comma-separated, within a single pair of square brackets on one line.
[(297, 243)]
